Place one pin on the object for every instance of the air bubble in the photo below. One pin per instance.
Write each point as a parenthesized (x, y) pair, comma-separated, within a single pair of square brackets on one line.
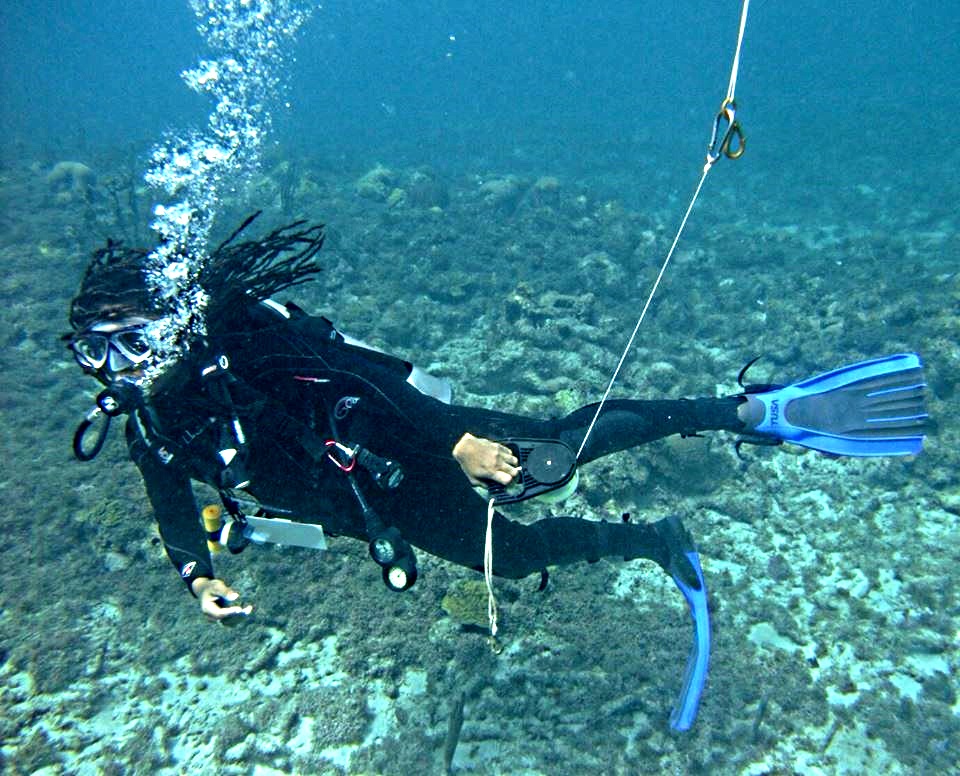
[(201, 168)]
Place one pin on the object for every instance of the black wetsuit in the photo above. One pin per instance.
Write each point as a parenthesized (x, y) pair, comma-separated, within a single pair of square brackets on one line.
[(291, 380)]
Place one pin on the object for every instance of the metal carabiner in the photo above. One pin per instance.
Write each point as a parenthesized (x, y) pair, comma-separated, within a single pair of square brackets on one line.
[(349, 455), (722, 140)]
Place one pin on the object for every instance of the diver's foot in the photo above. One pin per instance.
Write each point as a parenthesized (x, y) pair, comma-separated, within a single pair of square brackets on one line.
[(751, 412)]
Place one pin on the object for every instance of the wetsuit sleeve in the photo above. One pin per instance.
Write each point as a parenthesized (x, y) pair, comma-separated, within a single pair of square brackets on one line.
[(174, 507)]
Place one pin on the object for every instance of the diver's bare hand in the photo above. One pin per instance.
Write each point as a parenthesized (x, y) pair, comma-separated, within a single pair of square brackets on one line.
[(484, 459), (217, 599)]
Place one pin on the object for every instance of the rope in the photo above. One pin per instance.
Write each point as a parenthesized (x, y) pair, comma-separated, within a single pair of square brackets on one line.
[(725, 113), (734, 71), (643, 313), (488, 571)]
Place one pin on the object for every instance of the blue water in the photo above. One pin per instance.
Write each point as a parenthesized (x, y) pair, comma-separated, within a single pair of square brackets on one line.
[(833, 239), (483, 77)]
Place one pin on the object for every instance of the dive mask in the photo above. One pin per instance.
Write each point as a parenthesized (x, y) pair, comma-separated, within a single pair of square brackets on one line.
[(112, 347)]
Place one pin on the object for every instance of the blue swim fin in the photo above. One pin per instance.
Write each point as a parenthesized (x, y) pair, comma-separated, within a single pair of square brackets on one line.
[(684, 568), (873, 408)]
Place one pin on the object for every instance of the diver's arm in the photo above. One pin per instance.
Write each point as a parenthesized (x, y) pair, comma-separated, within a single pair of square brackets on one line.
[(384, 380), (184, 539), (175, 509)]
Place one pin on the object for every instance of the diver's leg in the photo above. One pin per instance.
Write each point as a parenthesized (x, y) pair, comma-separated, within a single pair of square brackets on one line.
[(519, 550), (626, 423), (438, 511), (566, 540)]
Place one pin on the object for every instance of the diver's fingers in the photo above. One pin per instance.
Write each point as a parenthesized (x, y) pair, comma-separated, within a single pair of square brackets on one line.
[(509, 471), (225, 612), (220, 609), (504, 476), (503, 469), (509, 462), (506, 456)]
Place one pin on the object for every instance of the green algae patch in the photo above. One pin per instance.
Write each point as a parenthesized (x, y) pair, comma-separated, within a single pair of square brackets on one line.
[(466, 603)]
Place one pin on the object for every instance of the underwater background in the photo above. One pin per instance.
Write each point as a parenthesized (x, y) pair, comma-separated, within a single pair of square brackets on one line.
[(500, 183)]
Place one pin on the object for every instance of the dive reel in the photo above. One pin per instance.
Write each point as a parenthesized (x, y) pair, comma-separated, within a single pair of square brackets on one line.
[(547, 466)]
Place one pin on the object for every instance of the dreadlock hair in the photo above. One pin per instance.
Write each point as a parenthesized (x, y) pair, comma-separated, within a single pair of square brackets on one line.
[(112, 288), (241, 273), (235, 275)]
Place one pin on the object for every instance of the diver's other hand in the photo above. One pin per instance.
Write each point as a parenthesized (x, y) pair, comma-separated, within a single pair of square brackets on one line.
[(484, 459), (217, 599)]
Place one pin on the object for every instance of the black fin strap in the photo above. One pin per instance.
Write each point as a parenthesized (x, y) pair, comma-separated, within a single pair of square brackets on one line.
[(755, 439)]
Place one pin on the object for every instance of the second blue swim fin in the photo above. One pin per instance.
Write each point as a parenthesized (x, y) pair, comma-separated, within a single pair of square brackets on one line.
[(872, 408), (684, 568)]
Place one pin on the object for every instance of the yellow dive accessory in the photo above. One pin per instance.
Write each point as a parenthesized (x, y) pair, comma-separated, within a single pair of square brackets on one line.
[(212, 515)]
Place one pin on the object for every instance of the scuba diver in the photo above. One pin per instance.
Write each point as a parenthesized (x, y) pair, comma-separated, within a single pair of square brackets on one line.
[(295, 424)]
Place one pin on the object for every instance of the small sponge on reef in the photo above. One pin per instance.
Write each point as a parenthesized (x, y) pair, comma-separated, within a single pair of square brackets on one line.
[(376, 184), (466, 603), (72, 178)]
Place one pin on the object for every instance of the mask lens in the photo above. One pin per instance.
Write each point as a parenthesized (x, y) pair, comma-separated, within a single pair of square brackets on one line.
[(133, 344), (90, 350)]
